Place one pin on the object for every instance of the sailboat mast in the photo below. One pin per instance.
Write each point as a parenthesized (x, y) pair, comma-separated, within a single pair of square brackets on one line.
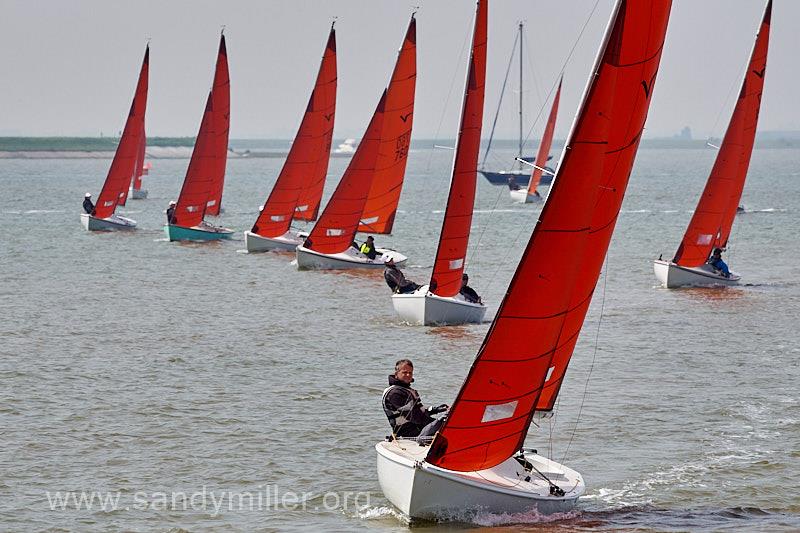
[(520, 92)]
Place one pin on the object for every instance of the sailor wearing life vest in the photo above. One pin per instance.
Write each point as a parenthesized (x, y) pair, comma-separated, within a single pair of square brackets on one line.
[(403, 407)]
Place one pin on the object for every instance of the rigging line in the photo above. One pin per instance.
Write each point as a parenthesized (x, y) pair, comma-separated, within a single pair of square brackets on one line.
[(532, 66), (447, 101), (591, 366), (500, 101), (736, 81), (563, 68), (474, 253)]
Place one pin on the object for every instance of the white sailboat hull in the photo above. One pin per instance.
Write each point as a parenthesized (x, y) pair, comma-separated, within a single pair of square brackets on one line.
[(113, 223), (257, 243), (672, 275), (521, 196), (425, 308), (308, 259), (137, 194), (421, 490)]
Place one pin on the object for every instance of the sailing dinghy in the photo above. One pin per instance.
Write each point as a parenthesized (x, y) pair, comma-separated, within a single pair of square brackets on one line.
[(713, 218), (298, 189), (367, 196), (439, 302), (515, 176), (201, 193), (477, 461), (115, 188), (530, 193)]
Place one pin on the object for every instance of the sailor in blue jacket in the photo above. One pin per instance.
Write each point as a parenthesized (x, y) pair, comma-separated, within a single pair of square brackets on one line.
[(716, 261)]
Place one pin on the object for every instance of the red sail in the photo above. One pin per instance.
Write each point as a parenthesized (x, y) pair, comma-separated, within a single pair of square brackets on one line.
[(384, 195), (547, 142), (453, 241), (307, 163), (336, 228), (711, 223), (324, 103), (139, 170), (115, 188), (136, 180), (522, 361), (199, 182), (221, 103)]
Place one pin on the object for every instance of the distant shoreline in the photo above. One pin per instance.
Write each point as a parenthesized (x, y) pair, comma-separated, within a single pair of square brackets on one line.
[(181, 147)]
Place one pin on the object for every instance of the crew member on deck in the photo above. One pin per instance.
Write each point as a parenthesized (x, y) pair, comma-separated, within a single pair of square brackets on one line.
[(88, 206), (396, 280), (512, 184), (368, 248), (468, 292), (716, 261), (171, 212), (403, 407)]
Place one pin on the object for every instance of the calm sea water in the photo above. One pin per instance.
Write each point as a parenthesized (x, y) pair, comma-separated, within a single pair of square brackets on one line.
[(143, 368)]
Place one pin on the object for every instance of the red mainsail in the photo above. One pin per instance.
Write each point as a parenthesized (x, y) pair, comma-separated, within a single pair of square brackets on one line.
[(336, 228), (520, 366), (115, 188), (199, 182), (547, 142), (307, 163), (711, 223), (311, 195), (390, 169), (454, 238), (221, 104)]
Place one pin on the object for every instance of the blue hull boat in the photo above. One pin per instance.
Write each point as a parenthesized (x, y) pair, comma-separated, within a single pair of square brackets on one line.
[(520, 176), (204, 232)]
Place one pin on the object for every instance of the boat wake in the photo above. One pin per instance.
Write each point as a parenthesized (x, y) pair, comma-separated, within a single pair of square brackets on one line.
[(530, 517), (376, 513)]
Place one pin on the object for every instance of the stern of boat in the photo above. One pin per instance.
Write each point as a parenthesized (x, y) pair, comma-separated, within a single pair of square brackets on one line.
[(256, 243)]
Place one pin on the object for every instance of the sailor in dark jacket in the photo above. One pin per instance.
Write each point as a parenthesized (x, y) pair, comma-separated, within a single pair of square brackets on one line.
[(88, 206), (171, 212), (403, 407)]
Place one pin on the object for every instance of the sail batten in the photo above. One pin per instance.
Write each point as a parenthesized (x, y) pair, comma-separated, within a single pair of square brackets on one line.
[(302, 177), (520, 367), (451, 252), (115, 188), (711, 223)]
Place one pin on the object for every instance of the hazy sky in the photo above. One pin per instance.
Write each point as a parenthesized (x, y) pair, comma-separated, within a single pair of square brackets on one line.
[(69, 67)]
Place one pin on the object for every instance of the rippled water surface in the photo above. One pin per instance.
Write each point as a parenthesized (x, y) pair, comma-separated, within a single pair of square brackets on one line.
[(141, 367)]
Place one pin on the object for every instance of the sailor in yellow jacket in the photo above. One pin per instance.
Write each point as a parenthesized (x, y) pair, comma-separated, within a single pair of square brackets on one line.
[(368, 248)]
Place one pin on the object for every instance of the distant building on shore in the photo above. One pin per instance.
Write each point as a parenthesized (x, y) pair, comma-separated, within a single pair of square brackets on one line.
[(684, 135)]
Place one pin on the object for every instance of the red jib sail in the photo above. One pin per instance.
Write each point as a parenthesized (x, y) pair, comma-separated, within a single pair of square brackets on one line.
[(307, 163), (547, 142), (522, 361), (115, 188), (199, 183), (711, 223), (336, 228), (452, 251), (384, 195), (221, 104)]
